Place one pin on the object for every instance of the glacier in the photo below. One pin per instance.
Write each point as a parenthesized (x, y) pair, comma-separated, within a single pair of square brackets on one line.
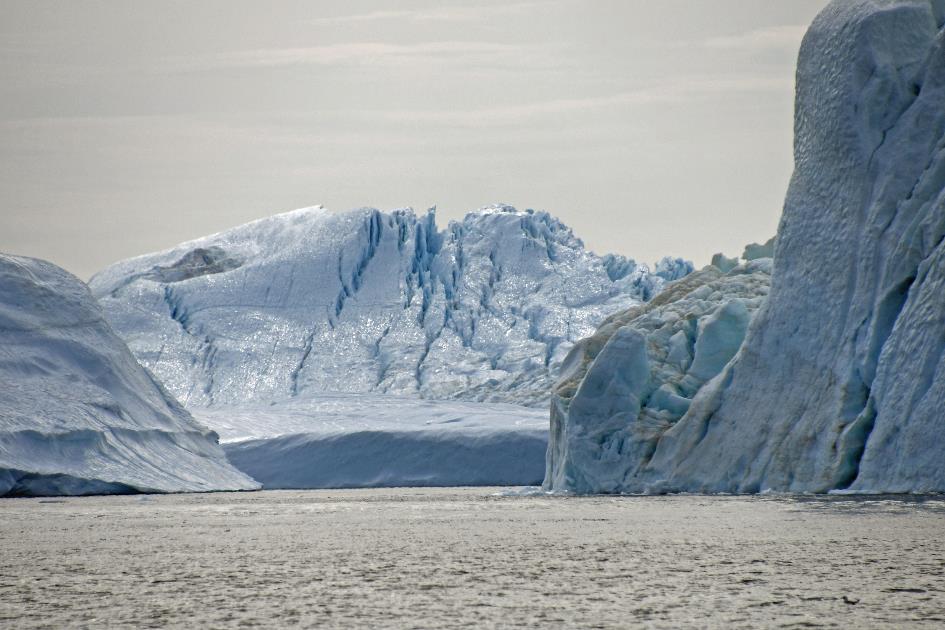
[(307, 324), (78, 414), (839, 385)]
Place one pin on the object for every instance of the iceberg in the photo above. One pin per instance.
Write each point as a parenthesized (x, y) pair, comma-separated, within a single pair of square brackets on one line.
[(78, 414), (839, 385), (309, 302), (755, 251)]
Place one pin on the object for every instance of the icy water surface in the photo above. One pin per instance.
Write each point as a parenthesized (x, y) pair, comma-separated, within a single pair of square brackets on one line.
[(466, 557)]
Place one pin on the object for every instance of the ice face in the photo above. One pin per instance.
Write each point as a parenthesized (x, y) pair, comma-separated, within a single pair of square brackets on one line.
[(840, 383), (78, 414), (309, 302), (623, 388), (719, 336), (365, 440)]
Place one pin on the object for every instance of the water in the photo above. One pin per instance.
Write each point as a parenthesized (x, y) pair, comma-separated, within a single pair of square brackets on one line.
[(427, 558)]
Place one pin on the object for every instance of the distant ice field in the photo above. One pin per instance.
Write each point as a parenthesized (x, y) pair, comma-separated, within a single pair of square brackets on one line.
[(254, 330)]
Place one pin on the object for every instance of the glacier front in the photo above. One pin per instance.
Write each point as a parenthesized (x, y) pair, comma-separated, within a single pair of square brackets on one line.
[(840, 383), (623, 388), (78, 414)]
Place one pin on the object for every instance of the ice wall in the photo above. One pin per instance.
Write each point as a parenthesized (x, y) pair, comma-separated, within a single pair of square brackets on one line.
[(78, 414), (840, 384), (366, 301)]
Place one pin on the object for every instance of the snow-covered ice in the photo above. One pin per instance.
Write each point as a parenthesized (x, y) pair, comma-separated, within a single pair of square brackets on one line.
[(336, 413), (78, 414), (840, 383)]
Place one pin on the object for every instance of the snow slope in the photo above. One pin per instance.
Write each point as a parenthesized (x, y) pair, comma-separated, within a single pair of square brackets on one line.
[(78, 414), (840, 384), (358, 440), (310, 301)]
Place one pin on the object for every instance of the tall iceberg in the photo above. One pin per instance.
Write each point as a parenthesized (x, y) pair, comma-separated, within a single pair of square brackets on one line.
[(78, 414), (840, 383)]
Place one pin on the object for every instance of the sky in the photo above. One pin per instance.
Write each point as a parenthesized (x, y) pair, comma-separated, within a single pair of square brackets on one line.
[(651, 128)]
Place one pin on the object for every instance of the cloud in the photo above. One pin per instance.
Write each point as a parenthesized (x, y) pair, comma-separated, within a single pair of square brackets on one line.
[(771, 37), (314, 126), (674, 90), (356, 53), (463, 13)]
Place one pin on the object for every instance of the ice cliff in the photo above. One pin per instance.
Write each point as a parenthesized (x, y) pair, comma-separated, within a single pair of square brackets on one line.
[(308, 302), (840, 382), (78, 414)]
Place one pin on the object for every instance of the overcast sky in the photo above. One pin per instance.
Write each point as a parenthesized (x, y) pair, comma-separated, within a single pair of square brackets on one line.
[(651, 128)]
